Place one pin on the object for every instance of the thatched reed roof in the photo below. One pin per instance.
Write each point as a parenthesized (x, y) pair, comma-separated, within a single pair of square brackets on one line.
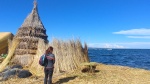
[(33, 19), (32, 26), (5, 38)]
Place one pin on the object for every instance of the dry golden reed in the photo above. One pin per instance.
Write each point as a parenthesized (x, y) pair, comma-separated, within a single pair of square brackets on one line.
[(35, 68), (68, 56), (5, 42), (10, 54)]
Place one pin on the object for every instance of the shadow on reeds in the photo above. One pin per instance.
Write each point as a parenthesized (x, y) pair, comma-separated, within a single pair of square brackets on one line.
[(96, 71), (63, 80)]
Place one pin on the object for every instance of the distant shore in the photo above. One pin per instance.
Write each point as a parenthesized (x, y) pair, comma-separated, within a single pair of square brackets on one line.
[(105, 74)]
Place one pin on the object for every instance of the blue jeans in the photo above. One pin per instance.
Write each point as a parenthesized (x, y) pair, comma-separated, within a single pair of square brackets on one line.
[(48, 75)]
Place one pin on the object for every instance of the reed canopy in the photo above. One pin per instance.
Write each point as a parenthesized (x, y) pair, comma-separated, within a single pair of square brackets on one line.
[(5, 42)]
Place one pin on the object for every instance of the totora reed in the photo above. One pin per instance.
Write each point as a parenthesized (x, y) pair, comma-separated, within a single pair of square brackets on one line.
[(68, 55), (10, 54)]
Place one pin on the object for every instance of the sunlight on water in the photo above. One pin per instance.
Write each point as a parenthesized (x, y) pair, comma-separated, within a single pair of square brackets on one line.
[(137, 58)]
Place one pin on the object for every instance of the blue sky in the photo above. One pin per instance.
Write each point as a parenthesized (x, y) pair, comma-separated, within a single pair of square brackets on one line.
[(99, 23)]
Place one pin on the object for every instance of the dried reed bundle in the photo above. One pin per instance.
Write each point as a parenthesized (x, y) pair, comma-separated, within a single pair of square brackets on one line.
[(24, 60), (10, 54), (35, 68), (5, 38), (69, 55)]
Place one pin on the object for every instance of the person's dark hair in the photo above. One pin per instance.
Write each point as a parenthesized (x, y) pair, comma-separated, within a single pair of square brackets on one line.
[(50, 49)]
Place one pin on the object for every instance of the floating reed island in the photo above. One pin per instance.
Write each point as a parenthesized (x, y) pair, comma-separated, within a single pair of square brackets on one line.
[(30, 42), (105, 74)]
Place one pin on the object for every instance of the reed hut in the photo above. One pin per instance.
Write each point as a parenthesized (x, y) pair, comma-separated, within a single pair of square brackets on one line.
[(29, 34)]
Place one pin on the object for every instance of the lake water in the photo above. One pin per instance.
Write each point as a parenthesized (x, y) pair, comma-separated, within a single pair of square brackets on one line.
[(137, 58)]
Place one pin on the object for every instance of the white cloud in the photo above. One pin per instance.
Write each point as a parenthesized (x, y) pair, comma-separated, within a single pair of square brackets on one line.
[(142, 31), (112, 46), (105, 45), (95, 45), (140, 45), (145, 37)]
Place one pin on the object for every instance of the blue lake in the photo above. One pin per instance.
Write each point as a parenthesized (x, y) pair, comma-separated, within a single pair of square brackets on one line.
[(137, 58)]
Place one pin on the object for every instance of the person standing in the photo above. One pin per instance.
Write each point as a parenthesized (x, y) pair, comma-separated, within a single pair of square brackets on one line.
[(49, 66)]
